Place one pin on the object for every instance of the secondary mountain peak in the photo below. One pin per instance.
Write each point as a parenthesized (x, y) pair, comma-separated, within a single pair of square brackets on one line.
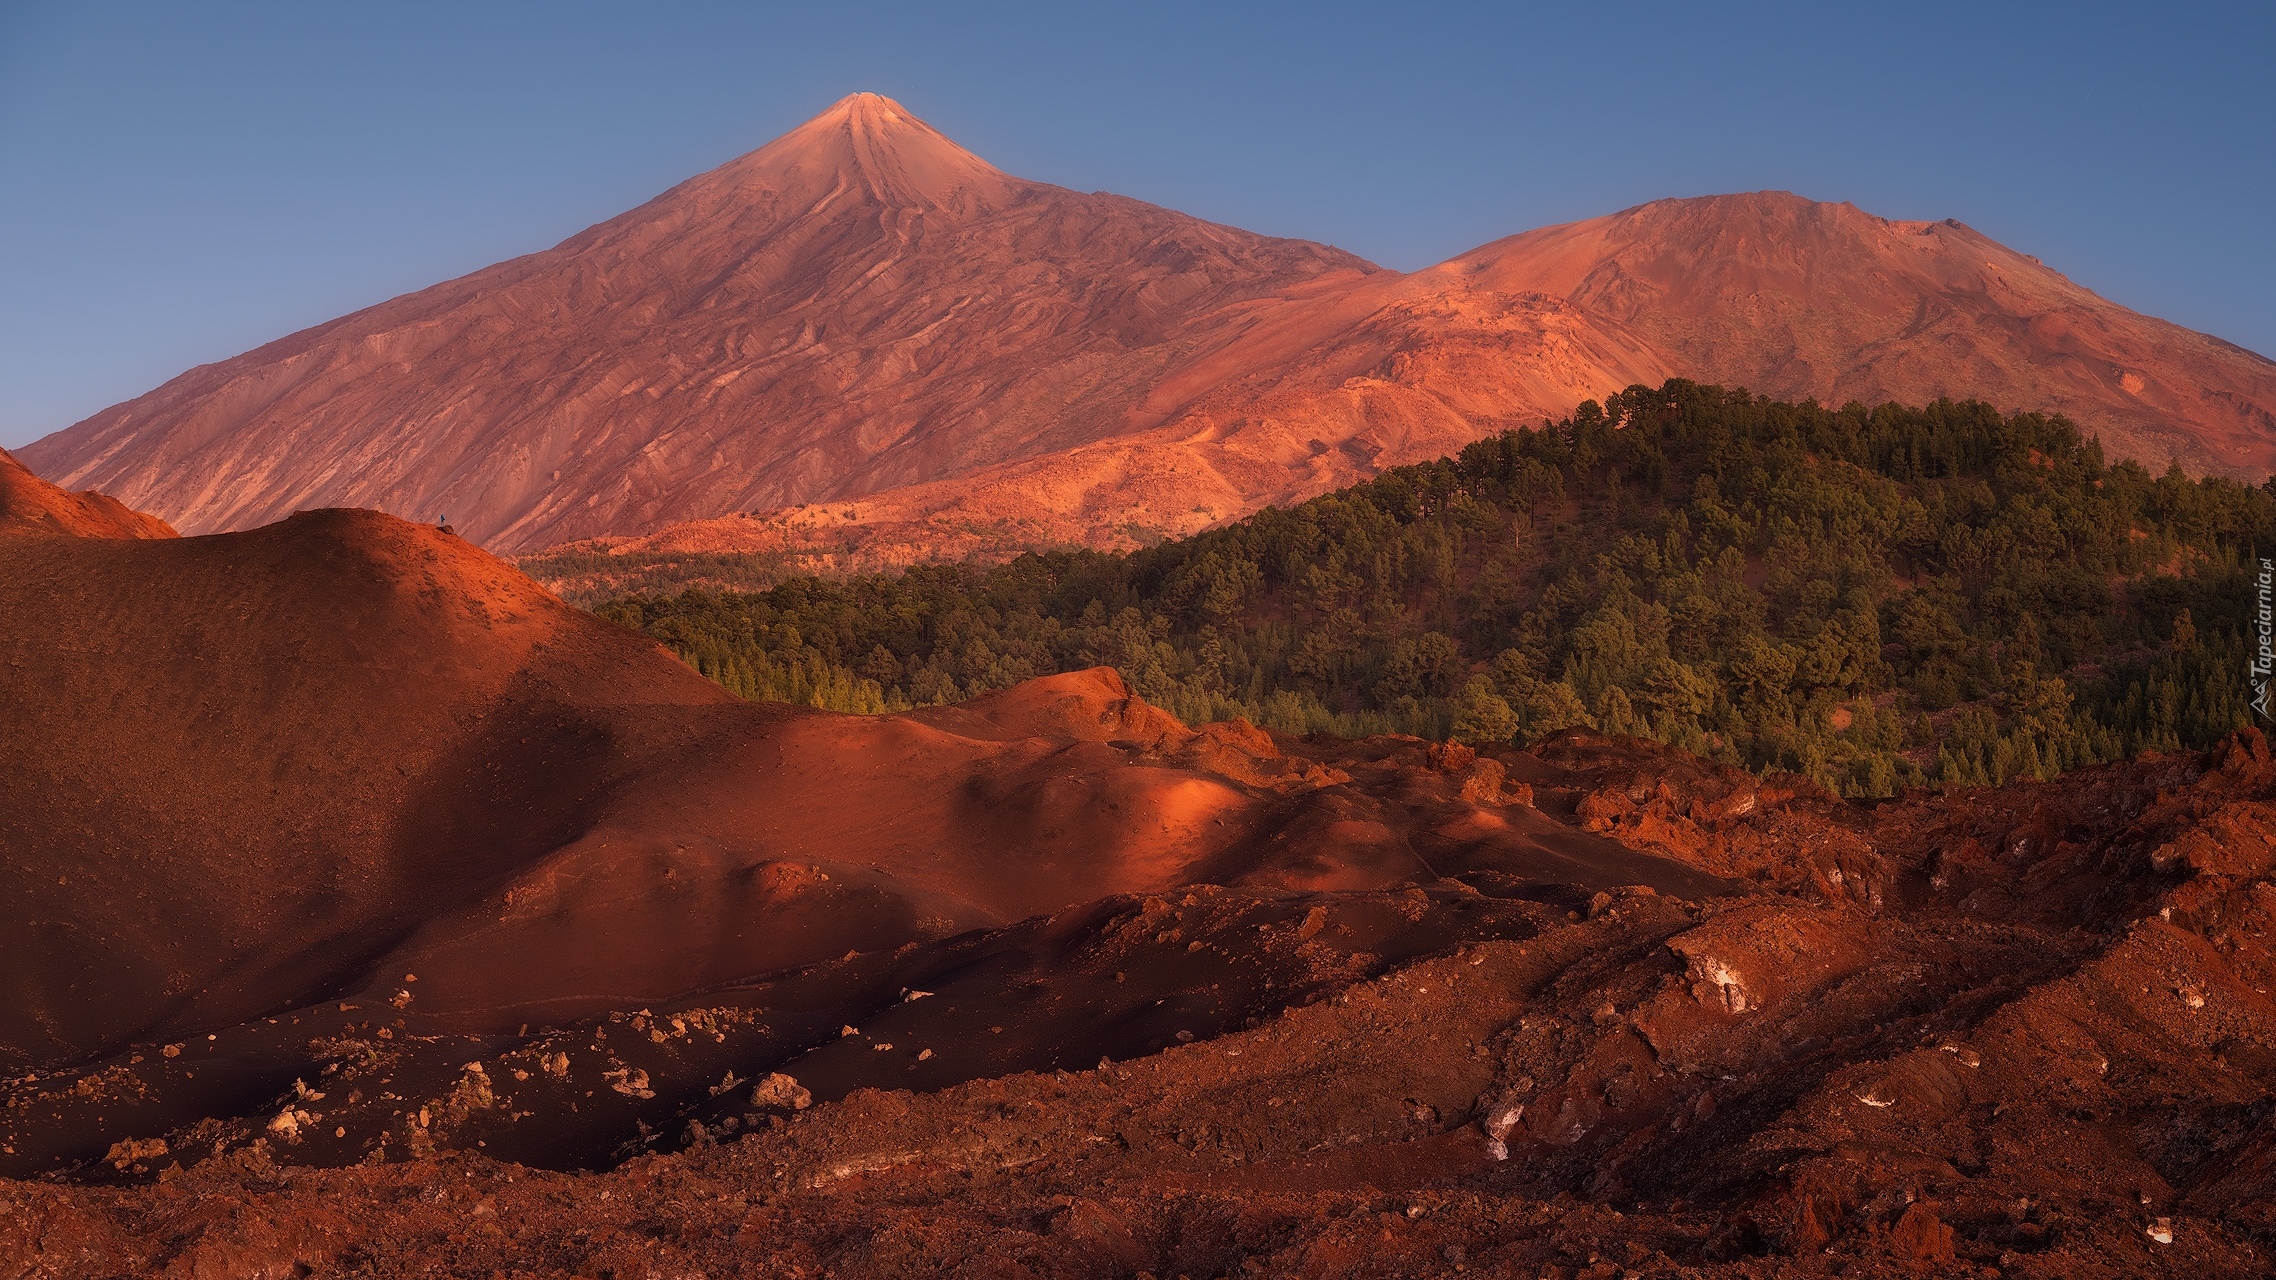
[(1797, 298)]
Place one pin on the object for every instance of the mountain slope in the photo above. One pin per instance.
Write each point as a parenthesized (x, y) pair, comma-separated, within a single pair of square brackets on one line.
[(897, 352), (1784, 296), (856, 305)]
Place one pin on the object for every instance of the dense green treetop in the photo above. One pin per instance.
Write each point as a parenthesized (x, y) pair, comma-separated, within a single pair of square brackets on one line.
[(1873, 597)]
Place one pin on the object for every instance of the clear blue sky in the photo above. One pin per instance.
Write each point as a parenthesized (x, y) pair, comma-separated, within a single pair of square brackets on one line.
[(181, 182)]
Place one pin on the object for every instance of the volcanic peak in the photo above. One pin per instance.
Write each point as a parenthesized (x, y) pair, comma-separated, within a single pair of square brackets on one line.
[(870, 144), (863, 308), (1709, 254)]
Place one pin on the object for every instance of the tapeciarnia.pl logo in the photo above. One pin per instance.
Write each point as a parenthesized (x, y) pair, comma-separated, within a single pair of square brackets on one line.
[(2264, 629)]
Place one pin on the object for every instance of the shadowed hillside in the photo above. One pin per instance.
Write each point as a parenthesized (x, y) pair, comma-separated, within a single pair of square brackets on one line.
[(251, 771)]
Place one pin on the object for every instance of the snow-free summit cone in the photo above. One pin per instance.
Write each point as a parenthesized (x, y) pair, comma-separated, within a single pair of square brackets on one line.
[(858, 305), (871, 148)]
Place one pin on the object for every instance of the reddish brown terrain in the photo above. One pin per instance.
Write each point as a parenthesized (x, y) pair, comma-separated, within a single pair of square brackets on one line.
[(368, 912), (30, 505), (891, 351), (396, 754)]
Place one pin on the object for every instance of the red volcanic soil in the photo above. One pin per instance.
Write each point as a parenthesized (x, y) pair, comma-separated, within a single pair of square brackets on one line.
[(30, 505), (894, 352), (253, 770), (371, 913)]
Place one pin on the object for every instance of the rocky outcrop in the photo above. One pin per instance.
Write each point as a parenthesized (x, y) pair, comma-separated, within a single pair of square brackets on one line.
[(2055, 1064)]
